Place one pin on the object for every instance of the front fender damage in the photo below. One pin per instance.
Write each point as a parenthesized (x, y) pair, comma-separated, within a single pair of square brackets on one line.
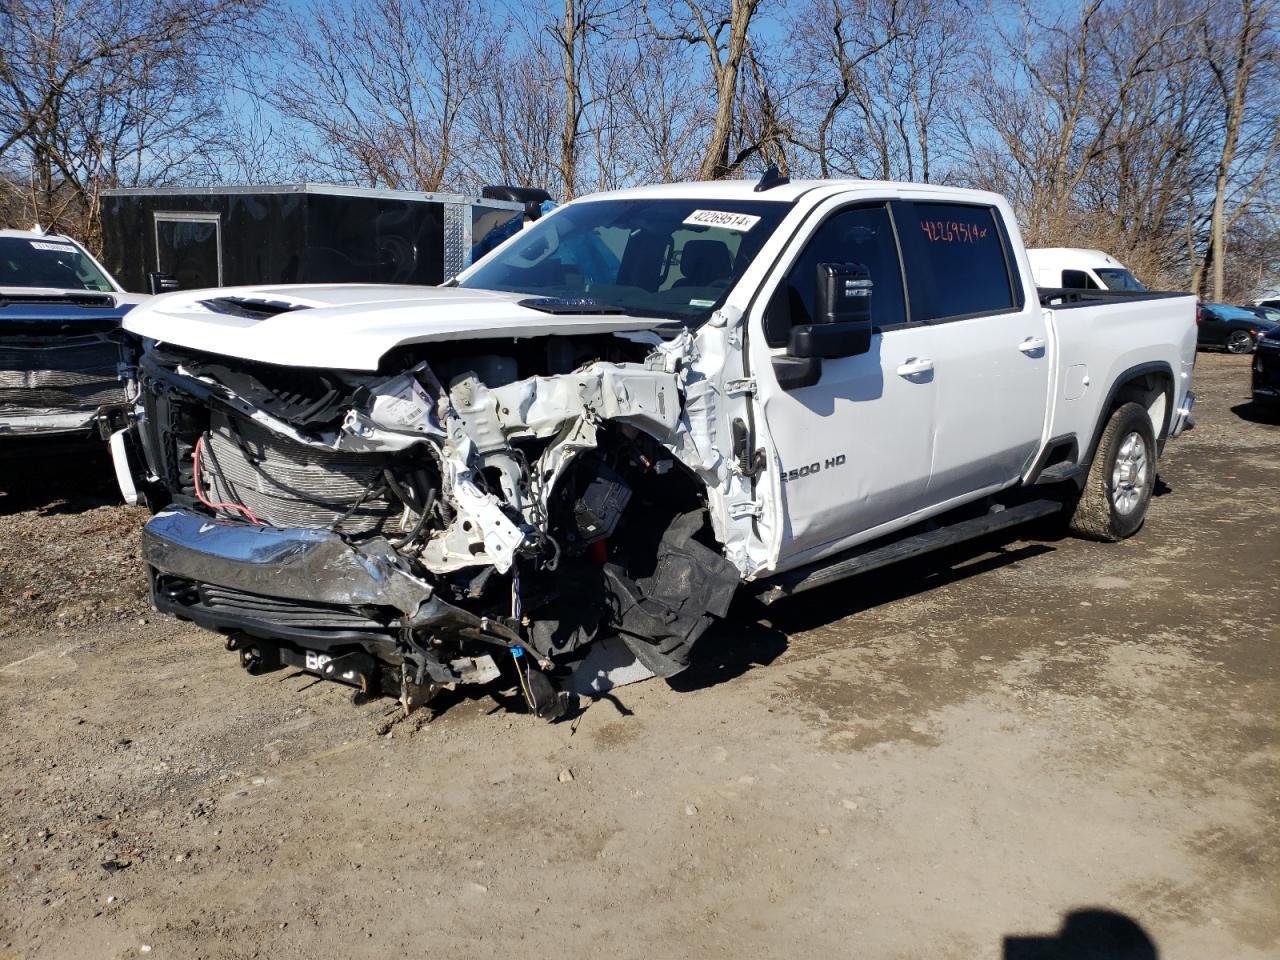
[(548, 519)]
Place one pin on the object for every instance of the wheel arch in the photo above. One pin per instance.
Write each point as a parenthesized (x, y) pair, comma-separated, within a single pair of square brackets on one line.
[(1149, 384)]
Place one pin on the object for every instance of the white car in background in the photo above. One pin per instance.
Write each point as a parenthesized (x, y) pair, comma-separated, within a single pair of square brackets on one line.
[(1075, 268), (61, 366)]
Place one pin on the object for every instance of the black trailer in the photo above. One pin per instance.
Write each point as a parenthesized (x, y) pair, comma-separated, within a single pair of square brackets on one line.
[(296, 233)]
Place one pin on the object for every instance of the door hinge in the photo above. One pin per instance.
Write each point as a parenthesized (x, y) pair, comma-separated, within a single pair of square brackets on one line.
[(748, 509), (736, 388)]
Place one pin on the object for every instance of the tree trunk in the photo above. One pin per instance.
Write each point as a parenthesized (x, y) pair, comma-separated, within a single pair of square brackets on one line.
[(715, 162), (569, 132)]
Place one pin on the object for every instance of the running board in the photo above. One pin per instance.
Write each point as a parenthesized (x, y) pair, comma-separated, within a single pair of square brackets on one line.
[(863, 558)]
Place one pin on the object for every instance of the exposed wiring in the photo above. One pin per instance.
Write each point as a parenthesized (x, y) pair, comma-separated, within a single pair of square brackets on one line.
[(195, 476)]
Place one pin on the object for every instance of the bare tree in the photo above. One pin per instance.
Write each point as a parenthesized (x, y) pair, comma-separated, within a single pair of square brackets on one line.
[(381, 88), (95, 93), (720, 28), (663, 115), (1239, 45), (514, 128), (586, 75)]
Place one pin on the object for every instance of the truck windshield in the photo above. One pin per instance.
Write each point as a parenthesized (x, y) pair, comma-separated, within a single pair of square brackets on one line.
[(41, 262), (651, 258), (1117, 278)]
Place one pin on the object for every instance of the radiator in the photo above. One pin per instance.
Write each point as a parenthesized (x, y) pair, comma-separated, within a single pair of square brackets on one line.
[(290, 484)]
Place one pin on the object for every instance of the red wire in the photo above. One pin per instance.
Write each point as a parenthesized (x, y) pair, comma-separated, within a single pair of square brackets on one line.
[(195, 475)]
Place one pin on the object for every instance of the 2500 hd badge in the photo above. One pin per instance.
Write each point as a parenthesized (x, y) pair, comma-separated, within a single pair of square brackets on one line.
[(812, 468)]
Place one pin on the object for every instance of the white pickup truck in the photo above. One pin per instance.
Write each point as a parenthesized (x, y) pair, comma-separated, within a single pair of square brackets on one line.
[(589, 441)]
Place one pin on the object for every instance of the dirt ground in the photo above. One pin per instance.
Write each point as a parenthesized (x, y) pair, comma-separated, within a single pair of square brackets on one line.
[(1021, 749)]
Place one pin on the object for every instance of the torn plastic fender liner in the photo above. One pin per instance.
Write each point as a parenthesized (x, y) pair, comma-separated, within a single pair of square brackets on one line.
[(661, 616)]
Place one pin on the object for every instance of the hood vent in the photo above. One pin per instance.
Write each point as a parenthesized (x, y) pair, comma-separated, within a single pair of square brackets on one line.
[(250, 308)]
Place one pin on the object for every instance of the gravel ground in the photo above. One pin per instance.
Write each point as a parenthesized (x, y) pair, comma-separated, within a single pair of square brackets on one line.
[(1021, 749)]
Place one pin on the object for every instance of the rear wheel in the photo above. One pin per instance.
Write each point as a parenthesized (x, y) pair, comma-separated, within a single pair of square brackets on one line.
[(1239, 341), (1116, 493)]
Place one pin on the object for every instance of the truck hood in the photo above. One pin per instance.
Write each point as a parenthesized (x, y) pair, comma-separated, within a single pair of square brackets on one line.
[(351, 326), (25, 309)]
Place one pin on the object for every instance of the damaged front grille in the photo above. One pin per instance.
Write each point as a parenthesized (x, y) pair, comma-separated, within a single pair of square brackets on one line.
[(290, 484), (295, 613), (76, 373)]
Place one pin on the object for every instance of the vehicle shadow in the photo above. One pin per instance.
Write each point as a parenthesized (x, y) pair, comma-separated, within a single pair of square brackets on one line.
[(62, 482), (1254, 412), (1089, 933), (755, 635)]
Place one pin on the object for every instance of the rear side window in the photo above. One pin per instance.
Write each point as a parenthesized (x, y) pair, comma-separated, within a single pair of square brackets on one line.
[(1077, 280), (957, 260)]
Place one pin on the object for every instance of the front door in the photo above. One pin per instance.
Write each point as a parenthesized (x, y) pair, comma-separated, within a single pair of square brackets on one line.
[(855, 447)]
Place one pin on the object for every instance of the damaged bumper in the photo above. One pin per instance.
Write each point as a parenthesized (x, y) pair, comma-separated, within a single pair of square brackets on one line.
[(298, 584), (297, 564)]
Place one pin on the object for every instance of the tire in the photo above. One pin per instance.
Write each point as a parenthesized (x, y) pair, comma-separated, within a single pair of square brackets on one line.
[(1239, 341), (1121, 477)]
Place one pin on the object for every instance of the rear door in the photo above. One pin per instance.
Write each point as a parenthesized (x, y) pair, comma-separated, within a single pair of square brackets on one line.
[(988, 343), (855, 446)]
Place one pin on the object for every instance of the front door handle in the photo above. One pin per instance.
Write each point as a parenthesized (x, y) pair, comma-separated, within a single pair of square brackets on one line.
[(1032, 345), (915, 366)]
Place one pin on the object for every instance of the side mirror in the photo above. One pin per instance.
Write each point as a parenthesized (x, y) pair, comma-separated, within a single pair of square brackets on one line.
[(842, 308), (161, 282)]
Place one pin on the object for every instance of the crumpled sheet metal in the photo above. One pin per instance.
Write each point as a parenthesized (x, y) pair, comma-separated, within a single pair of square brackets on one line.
[(297, 563)]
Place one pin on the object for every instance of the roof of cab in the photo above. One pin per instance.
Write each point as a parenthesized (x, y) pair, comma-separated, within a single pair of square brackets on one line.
[(782, 192)]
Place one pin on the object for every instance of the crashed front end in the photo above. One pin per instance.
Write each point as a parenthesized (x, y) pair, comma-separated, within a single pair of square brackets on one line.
[(553, 508), (62, 368)]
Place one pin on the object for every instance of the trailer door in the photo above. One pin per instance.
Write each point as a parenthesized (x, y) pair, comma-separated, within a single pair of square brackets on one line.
[(189, 246)]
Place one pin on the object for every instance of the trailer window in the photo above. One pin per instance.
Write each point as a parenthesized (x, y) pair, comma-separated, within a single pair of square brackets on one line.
[(189, 246), (957, 260)]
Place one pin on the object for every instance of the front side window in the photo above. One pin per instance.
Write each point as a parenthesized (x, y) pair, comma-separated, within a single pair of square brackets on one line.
[(651, 258), (862, 235), (40, 262), (1117, 278), (957, 260)]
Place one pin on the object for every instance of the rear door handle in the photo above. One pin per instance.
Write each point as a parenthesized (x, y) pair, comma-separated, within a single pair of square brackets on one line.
[(915, 365), (1031, 344)]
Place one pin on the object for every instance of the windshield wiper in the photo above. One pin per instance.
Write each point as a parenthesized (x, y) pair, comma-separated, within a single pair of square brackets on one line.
[(570, 305)]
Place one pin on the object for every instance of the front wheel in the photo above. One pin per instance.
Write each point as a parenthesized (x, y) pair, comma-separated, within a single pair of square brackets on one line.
[(1239, 341), (1116, 493)]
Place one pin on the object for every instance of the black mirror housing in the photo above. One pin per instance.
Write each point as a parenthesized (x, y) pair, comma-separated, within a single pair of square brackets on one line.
[(161, 282), (842, 314), (843, 339)]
